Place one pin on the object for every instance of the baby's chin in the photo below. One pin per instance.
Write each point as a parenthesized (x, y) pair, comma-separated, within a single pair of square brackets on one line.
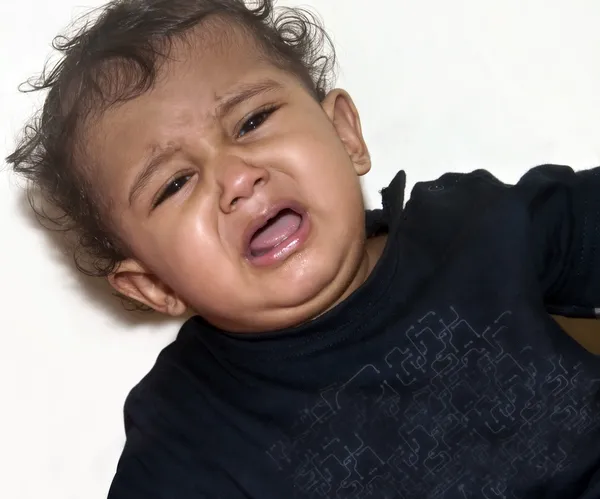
[(269, 320), (287, 313), (263, 326)]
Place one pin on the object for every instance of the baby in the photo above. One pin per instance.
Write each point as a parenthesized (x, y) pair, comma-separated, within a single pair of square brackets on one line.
[(196, 149)]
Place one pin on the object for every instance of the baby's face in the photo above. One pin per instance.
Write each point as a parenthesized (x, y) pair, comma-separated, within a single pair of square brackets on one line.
[(235, 190)]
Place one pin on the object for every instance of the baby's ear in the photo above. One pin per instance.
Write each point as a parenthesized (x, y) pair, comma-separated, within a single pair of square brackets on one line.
[(134, 280), (345, 118)]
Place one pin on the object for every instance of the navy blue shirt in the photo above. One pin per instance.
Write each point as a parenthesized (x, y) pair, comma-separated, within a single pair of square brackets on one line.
[(443, 376)]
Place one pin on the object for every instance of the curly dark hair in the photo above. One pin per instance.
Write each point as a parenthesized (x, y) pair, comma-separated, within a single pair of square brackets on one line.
[(113, 57)]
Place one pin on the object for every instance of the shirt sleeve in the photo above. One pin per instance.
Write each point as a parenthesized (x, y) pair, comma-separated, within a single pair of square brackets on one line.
[(147, 470), (564, 207), (164, 456)]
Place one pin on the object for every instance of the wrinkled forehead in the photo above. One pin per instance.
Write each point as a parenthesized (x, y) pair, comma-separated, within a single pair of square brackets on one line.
[(216, 53), (198, 72), (216, 39)]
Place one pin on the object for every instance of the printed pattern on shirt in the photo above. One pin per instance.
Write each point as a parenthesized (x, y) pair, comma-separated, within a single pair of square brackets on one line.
[(446, 413)]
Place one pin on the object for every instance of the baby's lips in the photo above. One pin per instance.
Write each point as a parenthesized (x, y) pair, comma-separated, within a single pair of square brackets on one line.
[(275, 231), (261, 222)]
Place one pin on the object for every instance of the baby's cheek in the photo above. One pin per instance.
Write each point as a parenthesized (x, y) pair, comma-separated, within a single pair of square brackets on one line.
[(209, 289), (196, 251)]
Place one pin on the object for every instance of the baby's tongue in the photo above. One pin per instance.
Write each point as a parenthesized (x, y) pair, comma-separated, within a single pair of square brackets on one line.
[(275, 232)]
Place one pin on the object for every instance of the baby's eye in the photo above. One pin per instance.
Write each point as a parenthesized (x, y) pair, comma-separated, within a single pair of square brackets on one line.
[(255, 121), (172, 188)]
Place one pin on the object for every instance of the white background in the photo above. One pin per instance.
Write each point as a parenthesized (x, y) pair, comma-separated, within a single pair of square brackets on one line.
[(441, 85)]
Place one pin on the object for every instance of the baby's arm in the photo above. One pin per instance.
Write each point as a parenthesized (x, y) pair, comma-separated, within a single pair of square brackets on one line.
[(151, 468), (161, 459), (565, 210)]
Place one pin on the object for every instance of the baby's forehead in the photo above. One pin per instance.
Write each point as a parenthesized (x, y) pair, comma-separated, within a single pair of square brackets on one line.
[(210, 51), (218, 38), (195, 87), (199, 66)]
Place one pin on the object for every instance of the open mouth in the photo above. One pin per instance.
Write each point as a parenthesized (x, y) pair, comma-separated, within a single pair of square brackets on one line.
[(274, 234)]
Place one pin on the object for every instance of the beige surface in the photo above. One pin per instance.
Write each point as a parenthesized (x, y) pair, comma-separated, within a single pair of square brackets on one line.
[(585, 331)]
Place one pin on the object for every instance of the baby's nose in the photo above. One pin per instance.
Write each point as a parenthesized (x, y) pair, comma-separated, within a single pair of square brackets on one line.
[(239, 182)]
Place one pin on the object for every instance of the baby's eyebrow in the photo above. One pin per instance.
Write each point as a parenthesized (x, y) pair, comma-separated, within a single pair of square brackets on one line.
[(242, 93), (149, 169)]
